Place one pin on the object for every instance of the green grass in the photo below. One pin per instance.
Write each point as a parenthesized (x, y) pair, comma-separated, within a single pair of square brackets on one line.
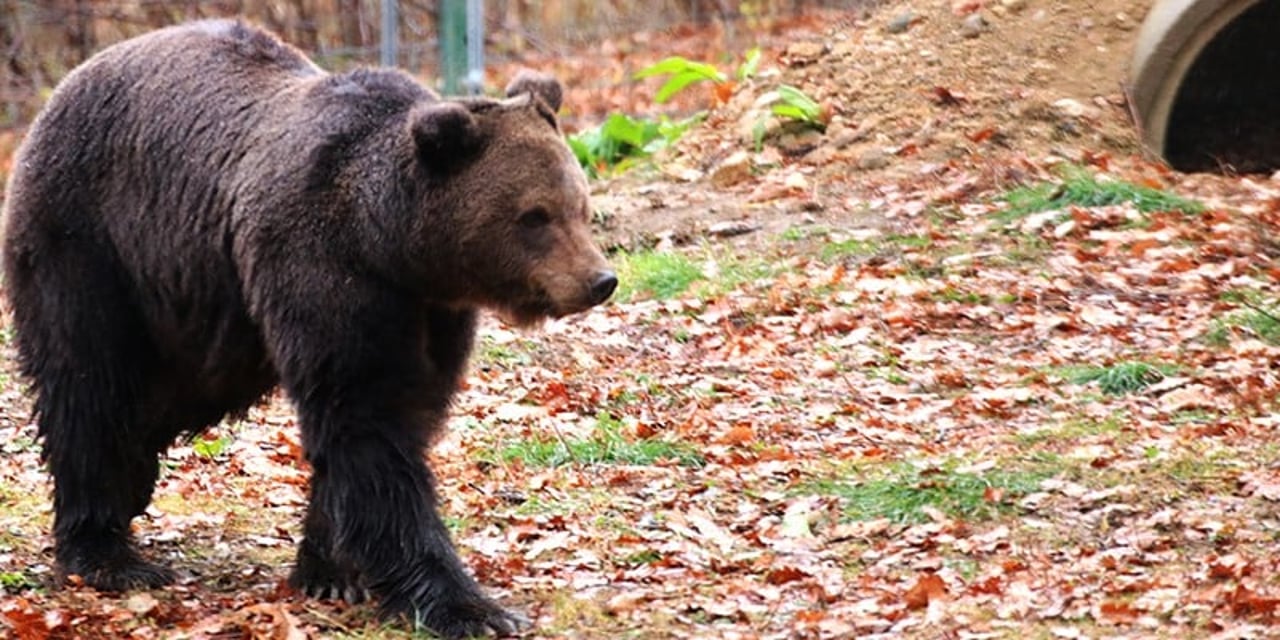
[(852, 248), (655, 274), (1261, 323), (606, 445), (1121, 378), (849, 249), (504, 354), (901, 493), (1080, 188), (1073, 430), (661, 275)]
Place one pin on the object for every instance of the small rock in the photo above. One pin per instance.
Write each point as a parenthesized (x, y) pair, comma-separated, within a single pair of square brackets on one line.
[(901, 22), (730, 228), (846, 49), (796, 181), (1123, 22), (847, 137), (141, 603), (1068, 108), (973, 26), (873, 159), (1014, 6), (821, 156), (733, 170), (802, 53), (798, 143)]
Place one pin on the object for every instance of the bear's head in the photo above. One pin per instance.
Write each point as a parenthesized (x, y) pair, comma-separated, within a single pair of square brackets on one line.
[(517, 200)]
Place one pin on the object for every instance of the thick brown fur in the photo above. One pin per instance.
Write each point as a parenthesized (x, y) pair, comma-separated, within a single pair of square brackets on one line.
[(201, 213)]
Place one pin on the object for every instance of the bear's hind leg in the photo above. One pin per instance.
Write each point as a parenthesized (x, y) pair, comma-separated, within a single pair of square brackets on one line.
[(82, 344), (103, 478)]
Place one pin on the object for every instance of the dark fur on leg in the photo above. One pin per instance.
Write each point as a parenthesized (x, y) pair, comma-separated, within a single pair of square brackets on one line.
[(317, 574), (85, 355), (368, 414), (383, 502)]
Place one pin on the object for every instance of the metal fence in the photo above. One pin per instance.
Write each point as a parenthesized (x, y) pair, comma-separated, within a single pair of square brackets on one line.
[(41, 40)]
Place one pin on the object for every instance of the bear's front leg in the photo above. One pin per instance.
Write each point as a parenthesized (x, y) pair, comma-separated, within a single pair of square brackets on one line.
[(372, 375), (380, 498)]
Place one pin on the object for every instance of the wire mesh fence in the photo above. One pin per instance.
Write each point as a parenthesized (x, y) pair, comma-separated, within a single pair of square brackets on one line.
[(41, 40)]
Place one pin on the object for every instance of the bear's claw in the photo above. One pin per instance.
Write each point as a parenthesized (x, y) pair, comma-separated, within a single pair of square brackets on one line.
[(464, 617), (119, 574), (320, 579), (351, 594)]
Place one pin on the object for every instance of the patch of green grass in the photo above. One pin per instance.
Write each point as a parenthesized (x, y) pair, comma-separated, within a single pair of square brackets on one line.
[(645, 556), (732, 272), (909, 240), (951, 294), (654, 274), (504, 354), (16, 581), (606, 445), (1259, 323), (849, 249), (20, 443), (1072, 430), (901, 492), (795, 234), (1129, 376), (1081, 188), (661, 275)]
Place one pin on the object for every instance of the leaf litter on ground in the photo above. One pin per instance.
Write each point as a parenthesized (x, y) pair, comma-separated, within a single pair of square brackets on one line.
[(872, 381)]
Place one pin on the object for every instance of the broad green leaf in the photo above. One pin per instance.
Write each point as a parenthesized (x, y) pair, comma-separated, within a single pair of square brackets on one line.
[(678, 65), (673, 86)]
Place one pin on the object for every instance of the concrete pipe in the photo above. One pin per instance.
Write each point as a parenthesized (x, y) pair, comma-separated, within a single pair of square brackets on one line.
[(1206, 84)]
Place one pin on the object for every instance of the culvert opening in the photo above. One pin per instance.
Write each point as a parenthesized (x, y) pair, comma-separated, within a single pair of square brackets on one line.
[(1226, 115)]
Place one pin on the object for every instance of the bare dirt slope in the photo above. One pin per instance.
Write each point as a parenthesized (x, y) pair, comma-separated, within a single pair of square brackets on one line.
[(921, 95)]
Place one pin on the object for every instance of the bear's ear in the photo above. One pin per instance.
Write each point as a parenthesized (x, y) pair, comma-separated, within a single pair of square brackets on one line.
[(541, 85), (444, 133)]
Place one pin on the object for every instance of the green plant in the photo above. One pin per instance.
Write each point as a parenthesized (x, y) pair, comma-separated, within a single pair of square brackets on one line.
[(1080, 188), (621, 140), (794, 104), (750, 65), (1129, 376), (15, 581), (207, 447), (681, 73), (606, 445)]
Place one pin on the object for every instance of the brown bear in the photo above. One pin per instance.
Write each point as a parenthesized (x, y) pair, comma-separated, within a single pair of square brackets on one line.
[(201, 213)]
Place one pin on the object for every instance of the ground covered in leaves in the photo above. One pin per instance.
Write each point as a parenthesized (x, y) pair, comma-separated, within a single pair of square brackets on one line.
[(959, 366)]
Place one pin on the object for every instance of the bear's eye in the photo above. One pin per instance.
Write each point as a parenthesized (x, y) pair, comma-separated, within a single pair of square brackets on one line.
[(535, 218)]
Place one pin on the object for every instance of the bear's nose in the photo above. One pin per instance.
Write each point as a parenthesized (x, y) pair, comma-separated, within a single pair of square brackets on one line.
[(603, 287)]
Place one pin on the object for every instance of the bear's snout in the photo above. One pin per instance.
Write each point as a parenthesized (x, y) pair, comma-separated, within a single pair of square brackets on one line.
[(605, 283)]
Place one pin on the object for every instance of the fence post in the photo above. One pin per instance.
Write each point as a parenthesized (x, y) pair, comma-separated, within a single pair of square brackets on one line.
[(453, 45), (475, 47), (390, 20)]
